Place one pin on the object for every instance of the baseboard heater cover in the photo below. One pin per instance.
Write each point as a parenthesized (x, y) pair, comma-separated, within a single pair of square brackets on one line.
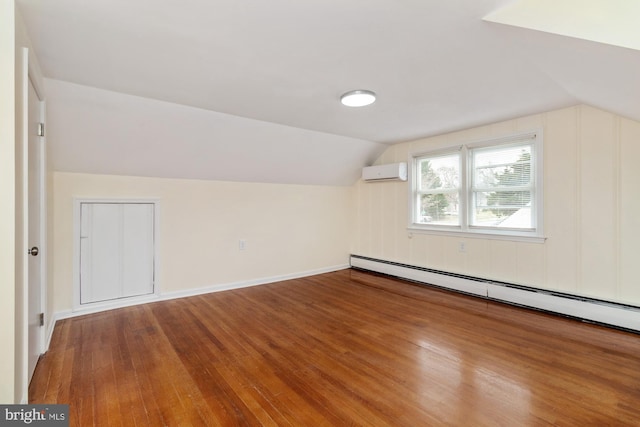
[(422, 275), (606, 313)]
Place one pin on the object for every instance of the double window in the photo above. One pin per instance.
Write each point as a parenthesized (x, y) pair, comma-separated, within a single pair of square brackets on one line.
[(492, 187)]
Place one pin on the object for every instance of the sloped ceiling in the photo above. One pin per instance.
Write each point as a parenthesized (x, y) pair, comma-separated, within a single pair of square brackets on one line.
[(437, 66), (591, 48), (614, 22)]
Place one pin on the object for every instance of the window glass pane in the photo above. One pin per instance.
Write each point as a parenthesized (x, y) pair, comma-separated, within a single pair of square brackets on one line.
[(505, 209), (439, 172), (506, 167), (439, 209), (495, 184)]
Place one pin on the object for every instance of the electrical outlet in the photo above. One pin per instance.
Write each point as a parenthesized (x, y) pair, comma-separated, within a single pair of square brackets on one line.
[(462, 247), (242, 244)]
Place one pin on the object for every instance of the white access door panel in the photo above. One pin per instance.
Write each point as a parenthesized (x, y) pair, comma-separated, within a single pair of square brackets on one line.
[(116, 251), (137, 249)]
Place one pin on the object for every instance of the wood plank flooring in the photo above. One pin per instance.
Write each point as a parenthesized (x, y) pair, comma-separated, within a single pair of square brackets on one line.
[(339, 349)]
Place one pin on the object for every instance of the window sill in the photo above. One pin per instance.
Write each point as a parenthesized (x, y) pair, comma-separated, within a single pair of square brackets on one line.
[(508, 236)]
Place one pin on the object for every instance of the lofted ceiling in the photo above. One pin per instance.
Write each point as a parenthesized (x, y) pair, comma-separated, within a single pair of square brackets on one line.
[(436, 65)]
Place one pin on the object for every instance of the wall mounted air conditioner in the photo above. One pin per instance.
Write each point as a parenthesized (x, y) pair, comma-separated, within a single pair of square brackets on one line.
[(389, 172)]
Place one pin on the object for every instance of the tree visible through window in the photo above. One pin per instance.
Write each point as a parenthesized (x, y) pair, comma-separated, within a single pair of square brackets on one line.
[(490, 187), (433, 205), (439, 190)]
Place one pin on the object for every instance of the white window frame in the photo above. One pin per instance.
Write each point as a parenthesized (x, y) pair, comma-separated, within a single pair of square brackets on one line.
[(536, 234)]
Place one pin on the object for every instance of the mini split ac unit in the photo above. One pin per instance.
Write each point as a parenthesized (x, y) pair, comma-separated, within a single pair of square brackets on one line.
[(390, 172)]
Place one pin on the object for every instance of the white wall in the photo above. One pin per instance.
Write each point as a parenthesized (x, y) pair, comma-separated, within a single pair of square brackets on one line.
[(591, 207), (98, 131), (13, 330), (21, 263), (289, 229), (7, 201)]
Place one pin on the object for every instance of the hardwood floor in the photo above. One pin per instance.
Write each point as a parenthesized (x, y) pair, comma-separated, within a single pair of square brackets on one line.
[(344, 348)]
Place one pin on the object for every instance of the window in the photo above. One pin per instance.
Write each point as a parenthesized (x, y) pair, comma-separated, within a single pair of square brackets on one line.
[(438, 189), (492, 187)]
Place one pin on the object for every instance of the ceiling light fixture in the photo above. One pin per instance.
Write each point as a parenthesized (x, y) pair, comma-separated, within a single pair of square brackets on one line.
[(358, 98)]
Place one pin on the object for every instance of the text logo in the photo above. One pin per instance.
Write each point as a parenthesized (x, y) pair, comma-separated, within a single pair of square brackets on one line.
[(34, 415)]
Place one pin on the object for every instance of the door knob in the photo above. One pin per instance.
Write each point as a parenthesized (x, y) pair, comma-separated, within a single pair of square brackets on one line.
[(33, 251)]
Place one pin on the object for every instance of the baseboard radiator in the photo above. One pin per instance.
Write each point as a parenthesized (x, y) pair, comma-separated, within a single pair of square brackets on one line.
[(591, 310)]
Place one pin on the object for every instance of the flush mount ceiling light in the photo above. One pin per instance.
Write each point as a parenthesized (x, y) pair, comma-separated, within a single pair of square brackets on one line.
[(358, 98)]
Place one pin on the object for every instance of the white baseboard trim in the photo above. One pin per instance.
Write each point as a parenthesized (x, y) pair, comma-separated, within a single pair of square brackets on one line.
[(248, 283), (49, 332), (127, 302), (422, 276), (596, 311)]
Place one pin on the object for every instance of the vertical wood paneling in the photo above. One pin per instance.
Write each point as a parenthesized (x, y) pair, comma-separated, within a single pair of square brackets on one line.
[(453, 259), (400, 206), (478, 258), (591, 207), (356, 225), (434, 254), (529, 122), (373, 204), (389, 190), (365, 218), (578, 200), (597, 203), (629, 211), (504, 128), (529, 259), (504, 260), (616, 205), (560, 195), (377, 220), (417, 249), (402, 235)]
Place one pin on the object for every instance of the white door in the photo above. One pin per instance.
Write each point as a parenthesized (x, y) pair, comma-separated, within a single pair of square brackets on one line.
[(116, 251), (35, 171)]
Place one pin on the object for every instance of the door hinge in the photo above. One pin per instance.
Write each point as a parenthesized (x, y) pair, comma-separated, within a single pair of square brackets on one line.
[(40, 129), (41, 319)]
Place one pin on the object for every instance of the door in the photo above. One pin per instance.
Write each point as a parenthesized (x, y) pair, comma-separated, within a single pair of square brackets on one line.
[(35, 216), (116, 251)]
